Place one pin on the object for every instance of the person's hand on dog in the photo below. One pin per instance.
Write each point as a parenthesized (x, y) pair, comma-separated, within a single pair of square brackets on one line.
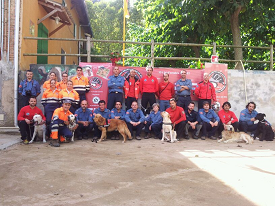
[(253, 119), (27, 121), (75, 127), (42, 122), (66, 122)]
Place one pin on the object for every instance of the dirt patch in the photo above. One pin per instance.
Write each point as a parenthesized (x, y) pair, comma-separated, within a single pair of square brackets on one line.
[(145, 172)]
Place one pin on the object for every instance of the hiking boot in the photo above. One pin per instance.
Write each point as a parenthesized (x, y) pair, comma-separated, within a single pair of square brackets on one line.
[(146, 137), (213, 137), (55, 143), (25, 141), (138, 138), (186, 137), (79, 137), (195, 137), (203, 137)]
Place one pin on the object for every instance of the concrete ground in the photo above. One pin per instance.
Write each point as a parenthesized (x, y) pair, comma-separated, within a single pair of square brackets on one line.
[(146, 172)]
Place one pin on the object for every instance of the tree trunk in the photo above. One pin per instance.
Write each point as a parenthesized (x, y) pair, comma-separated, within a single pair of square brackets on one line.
[(235, 28)]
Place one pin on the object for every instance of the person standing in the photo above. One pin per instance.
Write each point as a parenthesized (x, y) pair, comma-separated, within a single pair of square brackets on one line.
[(193, 121), (115, 86), (183, 88), (47, 83), (80, 84), (131, 89), (28, 88), (25, 117), (247, 119), (165, 92), (84, 119), (205, 91), (63, 83), (148, 88), (134, 119), (177, 116)]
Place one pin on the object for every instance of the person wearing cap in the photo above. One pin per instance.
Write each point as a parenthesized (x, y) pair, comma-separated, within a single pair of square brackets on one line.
[(81, 84), (210, 121), (148, 87), (60, 131), (115, 86), (193, 121), (105, 113), (28, 88), (153, 123), (205, 91), (165, 92), (183, 89), (134, 119), (117, 113), (227, 117), (131, 89), (177, 116)]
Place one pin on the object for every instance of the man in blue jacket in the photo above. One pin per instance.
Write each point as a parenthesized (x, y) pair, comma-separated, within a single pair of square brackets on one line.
[(84, 119), (115, 86), (134, 118), (183, 89), (105, 113), (117, 113), (154, 122), (247, 119), (210, 121)]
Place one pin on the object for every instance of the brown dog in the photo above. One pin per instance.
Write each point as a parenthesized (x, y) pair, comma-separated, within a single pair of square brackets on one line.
[(114, 124)]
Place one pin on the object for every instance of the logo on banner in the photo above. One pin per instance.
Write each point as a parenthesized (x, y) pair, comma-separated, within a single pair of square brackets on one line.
[(218, 79), (96, 83), (126, 73), (96, 100)]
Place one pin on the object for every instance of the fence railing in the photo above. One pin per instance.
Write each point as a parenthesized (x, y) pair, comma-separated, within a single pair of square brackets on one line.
[(88, 41)]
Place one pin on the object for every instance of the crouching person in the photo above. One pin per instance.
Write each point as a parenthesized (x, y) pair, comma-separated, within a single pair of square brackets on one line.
[(84, 119), (134, 118), (210, 121), (153, 123), (193, 121), (60, 131)]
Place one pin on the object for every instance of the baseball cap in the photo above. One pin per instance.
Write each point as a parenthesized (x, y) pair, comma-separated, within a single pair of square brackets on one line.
[(67, 101), (205, 102)]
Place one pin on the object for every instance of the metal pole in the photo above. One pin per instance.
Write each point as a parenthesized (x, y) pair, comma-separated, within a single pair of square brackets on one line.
[(88, 48), (214, 48), (271, 57), (152, 52)]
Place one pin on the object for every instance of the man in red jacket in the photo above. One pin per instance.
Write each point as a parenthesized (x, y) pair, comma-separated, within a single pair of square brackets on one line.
[(25, 118), (148, 87), (177, 116), (131, 89), (205, 91), (166, 92), (227, 118)]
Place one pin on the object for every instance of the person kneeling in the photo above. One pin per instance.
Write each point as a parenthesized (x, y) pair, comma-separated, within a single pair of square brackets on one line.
[(59, 124)]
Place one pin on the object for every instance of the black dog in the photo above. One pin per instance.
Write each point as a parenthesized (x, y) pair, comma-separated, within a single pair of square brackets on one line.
[(264, 127)]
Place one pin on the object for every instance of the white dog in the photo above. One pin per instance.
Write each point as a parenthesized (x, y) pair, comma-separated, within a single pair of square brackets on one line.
[(39, 127), (72, 124), (168, 132), (229, 135)]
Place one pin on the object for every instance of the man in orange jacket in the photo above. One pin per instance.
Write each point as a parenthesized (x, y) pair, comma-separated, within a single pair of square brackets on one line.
[(205, 91), (59, 124)]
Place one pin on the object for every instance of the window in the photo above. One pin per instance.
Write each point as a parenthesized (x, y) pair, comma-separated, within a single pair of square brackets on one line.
[(63, 58)]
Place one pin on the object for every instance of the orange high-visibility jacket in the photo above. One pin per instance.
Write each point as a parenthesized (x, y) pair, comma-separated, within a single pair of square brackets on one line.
[(59, 116), (71, 95), (81, 84), (47, 85)]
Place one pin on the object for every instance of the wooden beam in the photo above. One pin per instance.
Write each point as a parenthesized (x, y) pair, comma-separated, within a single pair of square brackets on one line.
[(47, 16), (50, 6), (58, 28)]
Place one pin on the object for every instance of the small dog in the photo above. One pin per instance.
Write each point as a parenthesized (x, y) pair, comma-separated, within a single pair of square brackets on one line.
[(229, 135), (168, 132), (114, 124), (71, 125), (264, 127), (39, 128)]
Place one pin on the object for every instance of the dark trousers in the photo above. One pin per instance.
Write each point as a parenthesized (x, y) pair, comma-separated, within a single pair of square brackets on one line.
[(200, 105), (147, 98), (183, 101), (23, 101), (243, 126), (221, 127), (83, 130), (206, 127), (179, 128), (196, 130), (137, 128), (82, 96), (97, 132), (128, 102), (156, 129), (26, 130), (65, 132), (113, 98)]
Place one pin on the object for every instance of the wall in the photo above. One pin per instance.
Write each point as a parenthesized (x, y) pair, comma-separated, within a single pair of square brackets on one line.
[(260, 86)]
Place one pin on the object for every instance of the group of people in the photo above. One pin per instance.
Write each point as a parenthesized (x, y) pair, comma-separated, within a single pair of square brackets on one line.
[(174, 99)]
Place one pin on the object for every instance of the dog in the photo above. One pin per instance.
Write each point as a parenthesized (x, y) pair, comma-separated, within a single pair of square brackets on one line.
[(229, 135), (39, 127), (168, 132), (113, 124), (264, 127), (72, 124)]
